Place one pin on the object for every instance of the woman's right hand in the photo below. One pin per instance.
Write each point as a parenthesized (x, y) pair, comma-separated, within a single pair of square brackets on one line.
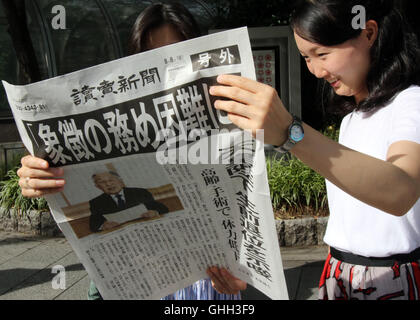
[(254, 106), (38, 179)]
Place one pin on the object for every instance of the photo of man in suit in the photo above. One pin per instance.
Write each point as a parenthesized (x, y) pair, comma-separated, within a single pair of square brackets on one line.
[(117, 197)]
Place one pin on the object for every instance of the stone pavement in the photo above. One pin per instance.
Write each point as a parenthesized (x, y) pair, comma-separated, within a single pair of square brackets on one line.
[(26, 264)]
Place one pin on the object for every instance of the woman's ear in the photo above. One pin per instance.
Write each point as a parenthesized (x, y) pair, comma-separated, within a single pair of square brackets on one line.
[(371, 32)]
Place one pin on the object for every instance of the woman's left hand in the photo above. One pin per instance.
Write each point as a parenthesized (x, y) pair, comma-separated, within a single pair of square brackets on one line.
[(253, 106), (224, 282)]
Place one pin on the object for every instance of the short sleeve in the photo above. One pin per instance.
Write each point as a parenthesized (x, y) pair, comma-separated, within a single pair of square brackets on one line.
[(406, 117)]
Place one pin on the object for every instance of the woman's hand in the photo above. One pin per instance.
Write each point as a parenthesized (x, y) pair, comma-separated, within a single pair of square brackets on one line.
[(224, 282), (253, 106), (38, 179)]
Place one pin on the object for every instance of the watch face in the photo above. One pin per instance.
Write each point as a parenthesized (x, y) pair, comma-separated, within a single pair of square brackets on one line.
[(296, 133)]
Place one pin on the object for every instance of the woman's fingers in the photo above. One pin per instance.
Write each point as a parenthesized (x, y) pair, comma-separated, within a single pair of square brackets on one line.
[(233, 107), (38, 179), (234, 93), (35, 188), (240, 82), (254, 106), (34, 162), (233, 282), (218, 282), (224, 282), (34, 167), (33, 193), (28, 183), (245, 96), (253, 100), (25, 171)]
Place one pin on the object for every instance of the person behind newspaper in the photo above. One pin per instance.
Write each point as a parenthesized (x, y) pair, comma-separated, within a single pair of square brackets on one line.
[(117, 197), (158, 25), (373, 173)]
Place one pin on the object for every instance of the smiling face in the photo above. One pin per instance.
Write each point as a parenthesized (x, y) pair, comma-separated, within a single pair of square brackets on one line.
[(345, 66)]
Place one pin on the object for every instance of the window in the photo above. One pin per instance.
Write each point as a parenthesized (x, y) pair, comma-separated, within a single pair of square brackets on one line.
[(97, 31), (8, 63), (86, 41)]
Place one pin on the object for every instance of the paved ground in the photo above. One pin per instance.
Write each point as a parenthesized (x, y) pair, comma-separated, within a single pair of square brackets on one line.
[(26, 263)]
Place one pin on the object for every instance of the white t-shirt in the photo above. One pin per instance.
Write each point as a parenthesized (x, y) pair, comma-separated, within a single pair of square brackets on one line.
[(354, 226)]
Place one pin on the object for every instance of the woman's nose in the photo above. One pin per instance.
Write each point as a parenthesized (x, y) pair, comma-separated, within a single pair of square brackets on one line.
[(318, 71)]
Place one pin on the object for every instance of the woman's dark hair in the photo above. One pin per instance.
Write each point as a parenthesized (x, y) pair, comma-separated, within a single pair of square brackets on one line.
[(157, 15), (395, 56)]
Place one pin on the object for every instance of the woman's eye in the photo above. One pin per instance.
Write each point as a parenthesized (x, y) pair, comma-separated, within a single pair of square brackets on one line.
[(322, 54)]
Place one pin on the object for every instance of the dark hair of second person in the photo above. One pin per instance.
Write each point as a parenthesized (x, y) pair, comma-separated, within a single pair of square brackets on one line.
[(158, 15)]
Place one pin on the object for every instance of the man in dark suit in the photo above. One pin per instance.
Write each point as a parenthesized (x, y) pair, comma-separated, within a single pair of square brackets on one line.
[(117, 197)]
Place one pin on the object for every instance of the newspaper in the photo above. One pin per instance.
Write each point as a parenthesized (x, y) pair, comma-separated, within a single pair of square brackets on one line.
[(159, 184)]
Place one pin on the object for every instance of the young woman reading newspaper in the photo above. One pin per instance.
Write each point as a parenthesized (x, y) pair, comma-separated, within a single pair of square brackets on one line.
[(373, 173)]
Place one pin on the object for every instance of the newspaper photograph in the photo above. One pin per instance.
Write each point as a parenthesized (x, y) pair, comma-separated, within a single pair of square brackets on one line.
[(159, 184)]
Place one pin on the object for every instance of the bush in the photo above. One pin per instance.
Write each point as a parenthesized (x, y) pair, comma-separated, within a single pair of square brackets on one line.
[(11, 196), (13, 161), (295, 188)]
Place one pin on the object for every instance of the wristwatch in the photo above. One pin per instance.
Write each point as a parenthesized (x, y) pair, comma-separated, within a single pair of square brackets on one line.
[(296, 134)]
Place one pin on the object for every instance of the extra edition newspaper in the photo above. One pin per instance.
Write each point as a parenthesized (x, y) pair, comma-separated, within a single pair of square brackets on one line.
[(159, 184)]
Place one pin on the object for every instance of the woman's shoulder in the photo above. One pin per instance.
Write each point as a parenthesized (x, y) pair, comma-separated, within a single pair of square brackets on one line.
[(412, 92), (406, 105)]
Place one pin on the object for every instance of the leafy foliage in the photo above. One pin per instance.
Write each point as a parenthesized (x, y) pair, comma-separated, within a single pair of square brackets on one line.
[(11, 196), (13, 161), (294, 186)]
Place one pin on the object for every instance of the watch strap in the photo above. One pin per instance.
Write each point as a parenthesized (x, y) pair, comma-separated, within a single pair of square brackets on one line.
[(289, 144)]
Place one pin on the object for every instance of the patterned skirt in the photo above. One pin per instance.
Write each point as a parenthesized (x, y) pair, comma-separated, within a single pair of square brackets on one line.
[(345, 281)]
